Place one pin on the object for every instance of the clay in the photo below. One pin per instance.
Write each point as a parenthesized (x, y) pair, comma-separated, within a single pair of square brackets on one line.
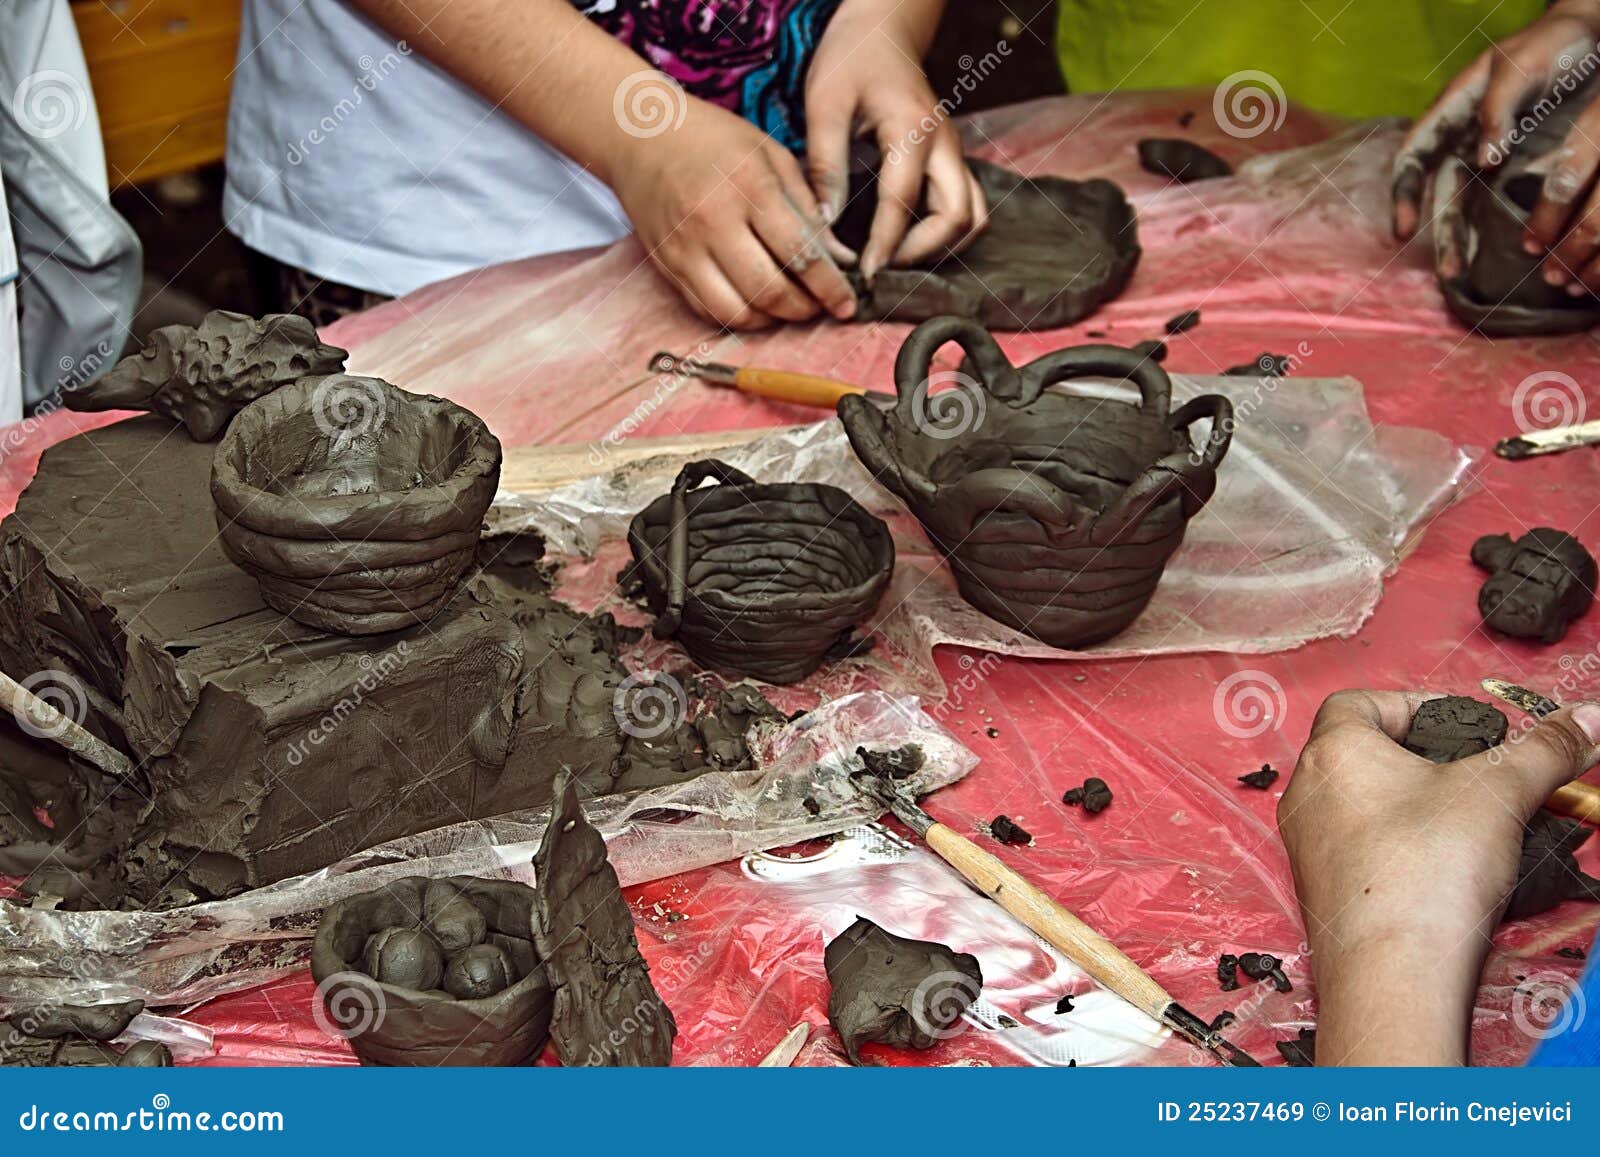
[(1008, 831), (1537, 585), (1183, 161), (1056, 512), (356, 505), (607, 1013), (403, 957), (1500, 292), (1156, 351), (1261, 780), (1266, 365), (893, 990), (1264, 966), (760, 580), (452, 920), (1064, 1005), (479, 971), (1454, 727), (1094, 796), (1182, 323), (425, 1028), (1300, 1053), (1572, 953), (203, 376), (1222, 1020), (1548, 873), (1228, 972), (34, 1053), (893, 763), (100, 1022), (1054, 251)]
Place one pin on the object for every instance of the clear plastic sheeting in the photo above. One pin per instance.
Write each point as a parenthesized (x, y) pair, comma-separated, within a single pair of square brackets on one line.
[(204, 950), (1312, 506)]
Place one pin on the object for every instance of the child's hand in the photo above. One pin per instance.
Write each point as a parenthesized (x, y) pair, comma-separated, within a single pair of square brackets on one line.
[(867, 76), (725, 213)]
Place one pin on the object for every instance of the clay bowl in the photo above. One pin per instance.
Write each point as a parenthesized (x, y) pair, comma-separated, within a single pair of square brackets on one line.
[(389, 1025), (356, 505), (1056, 512), (759, 579)]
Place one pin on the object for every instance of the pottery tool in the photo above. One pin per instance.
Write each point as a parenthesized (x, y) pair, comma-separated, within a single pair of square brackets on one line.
[(784, 1052), (1551, 441), (1579, 800), (779, 385), (1081, 944), (42, 719)]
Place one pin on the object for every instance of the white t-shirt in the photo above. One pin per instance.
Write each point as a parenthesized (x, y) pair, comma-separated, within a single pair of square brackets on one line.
[(355, 158)]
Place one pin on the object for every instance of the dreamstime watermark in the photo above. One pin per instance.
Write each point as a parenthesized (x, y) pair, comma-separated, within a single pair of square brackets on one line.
[(649, 103), (1248, 704), (1274, 368), (648, 1016), (938, 1002), (1574, 74), (668, 383), (346, 407), (373, 72), (973, 73), (375, 672), (49, 103), (1249, 103), (1547, 399), (348, 1004), (952, 412), (649, 706), (975, 671), (1548, 1004), (57, 689), (75, 372)]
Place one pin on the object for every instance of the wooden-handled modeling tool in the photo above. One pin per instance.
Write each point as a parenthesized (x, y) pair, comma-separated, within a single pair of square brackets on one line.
[(784, 1052), (46, 721), (1551, 441), (1081, 944), (1579, 800), (779, 385)]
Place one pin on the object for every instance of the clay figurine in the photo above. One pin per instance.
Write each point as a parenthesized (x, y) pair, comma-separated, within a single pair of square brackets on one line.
[(1454, 727), (357, 506), (1054, 251), (897, 991), (1057, 512), (761, 580), (1182, 160), (204, 375), (1537, 584)]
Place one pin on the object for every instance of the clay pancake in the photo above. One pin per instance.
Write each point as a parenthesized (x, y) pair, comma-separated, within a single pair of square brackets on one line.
[(607, 1013)]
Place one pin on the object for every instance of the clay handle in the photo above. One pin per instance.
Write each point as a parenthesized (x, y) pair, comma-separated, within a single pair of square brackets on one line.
[(1081, 944), (799, 389), (1101, 361), (694, 473), (995, 372), (1220, 411)]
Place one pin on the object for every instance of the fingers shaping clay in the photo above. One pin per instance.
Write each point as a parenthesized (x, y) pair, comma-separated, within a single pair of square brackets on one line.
[(1056, 512), (1537, 585), (1454, 727), (763, 580), (204, 375), (897, 991)]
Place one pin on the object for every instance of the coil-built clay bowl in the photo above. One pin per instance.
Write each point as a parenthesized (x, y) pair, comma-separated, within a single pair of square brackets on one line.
[(389, 1025), (1056, 512), (356, 505), (759, 579)]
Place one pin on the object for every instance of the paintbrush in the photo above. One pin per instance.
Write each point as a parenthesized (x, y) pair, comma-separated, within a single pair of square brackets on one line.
[(779, 385), (1081, 944), (1579, 800)]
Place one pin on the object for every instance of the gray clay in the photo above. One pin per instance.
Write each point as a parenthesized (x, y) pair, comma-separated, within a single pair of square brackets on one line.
[(1454, 727), (204, 375), (1056, 512), (894, 990), (1537, 585), (404, 957), (99, 1022), (479, 971), (451, 919)]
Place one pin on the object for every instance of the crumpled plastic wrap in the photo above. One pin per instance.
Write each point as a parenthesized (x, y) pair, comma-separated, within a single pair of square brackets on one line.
[(1312, 506), (194, 953)]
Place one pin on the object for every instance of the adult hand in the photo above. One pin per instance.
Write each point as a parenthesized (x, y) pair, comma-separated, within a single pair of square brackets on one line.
[(725, 213), (1403, 868), (1548, 59), (866, 76)]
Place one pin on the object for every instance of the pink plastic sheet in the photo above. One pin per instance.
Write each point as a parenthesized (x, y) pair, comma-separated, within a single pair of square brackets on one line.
[(1293, 256)]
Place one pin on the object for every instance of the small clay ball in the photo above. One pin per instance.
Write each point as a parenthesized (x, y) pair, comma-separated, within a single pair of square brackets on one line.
[(454, 920), (479, 971), (404, 957)]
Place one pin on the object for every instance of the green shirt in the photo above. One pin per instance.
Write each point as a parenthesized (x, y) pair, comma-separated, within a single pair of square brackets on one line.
[(1357, 58)]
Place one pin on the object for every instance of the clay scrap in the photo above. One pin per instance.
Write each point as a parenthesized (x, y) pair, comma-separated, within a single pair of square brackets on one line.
[(1182, 160), (1008, 831), (203, 375), (894, 990), (764, 580), (1094, 796), (1057, 513), (1537, 585), (1300, 1053), (1261, 780), (1054, 251), (77, 1035)]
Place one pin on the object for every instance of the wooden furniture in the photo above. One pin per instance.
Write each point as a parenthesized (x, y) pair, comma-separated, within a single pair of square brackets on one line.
[(161, 71)]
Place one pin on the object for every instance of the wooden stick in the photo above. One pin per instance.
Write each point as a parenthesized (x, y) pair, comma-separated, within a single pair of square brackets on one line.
[(784, 1052), (1579, 800), (538, 469), (41, 719)]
